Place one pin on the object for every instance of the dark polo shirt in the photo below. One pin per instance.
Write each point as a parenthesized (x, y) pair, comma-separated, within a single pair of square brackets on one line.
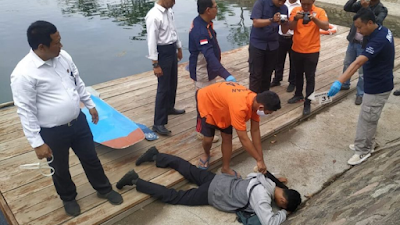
[(266, 38)]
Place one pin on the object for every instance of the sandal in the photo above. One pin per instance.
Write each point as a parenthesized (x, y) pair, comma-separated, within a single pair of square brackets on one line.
[(204, 167)]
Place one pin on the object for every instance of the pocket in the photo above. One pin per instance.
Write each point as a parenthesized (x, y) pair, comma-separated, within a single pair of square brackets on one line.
[(371, 113)]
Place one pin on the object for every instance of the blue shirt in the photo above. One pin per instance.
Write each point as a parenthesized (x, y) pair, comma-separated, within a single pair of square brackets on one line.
[(266, 37), (203, 40), (378, 70)]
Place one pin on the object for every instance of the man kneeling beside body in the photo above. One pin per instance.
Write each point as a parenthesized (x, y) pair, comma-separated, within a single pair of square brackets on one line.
[(222, 191)]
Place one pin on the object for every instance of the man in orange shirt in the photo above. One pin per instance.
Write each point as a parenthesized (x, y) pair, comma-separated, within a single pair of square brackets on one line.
[(225, 105), (306, 21)]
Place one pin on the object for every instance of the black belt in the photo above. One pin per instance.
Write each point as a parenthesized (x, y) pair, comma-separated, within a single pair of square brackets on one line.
[(286, 37), (357, 41), (70, 123)]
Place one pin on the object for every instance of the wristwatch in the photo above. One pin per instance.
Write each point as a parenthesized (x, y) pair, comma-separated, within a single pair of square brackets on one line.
[(155, 65)]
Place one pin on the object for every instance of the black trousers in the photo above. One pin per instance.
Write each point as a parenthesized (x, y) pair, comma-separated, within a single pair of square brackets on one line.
[(261, 65), (192, 197), (285, 47), (167, 83), (305, 63), (80, 139)]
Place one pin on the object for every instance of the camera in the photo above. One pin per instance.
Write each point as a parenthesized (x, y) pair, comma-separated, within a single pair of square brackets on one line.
[(283, 18), (306, 18)]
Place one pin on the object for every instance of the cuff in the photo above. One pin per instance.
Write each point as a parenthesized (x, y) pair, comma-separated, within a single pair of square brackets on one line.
[(36, 141)]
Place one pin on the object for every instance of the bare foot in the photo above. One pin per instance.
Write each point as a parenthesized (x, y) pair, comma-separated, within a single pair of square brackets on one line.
[(283, 180), (231, 172)]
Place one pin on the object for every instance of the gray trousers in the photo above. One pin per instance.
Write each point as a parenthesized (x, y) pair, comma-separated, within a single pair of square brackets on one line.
[(370, 113)]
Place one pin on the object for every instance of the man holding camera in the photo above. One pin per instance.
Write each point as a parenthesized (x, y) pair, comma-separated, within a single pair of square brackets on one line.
[(264, 41), (306, 21), (357, 42)]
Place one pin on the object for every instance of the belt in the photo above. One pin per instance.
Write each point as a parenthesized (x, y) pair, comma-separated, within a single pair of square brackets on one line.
[(70, 123), (357, 41), (286, 37)]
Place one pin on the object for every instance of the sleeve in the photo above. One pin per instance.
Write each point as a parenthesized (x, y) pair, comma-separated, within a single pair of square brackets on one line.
[(257, 11), (24, 96), (381, 15), (284, 10), (293, 13), (374, 47), (178, 42), (352, 6), (322, 15), (152, 27), (80, 87), (206, 48), (262, 207)]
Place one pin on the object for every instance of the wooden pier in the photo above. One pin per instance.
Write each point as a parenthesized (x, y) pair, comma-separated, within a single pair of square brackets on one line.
[(27, 197)]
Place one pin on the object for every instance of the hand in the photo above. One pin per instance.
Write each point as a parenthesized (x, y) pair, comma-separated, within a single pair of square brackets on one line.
[(335, 88), (299, 15), (312, 16), (43, 151), (179, 54), (158, 71), (262, 168), (277, 17), (94, 114), (365, 3), (231, 78)]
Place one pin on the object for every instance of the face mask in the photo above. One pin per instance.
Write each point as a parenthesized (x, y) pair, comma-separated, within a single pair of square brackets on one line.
[(261, 113)]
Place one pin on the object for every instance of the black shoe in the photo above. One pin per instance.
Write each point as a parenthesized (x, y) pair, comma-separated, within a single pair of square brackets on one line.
[(306, 110), (397, 92), (290, 88), (345, 88), (72, 208), (129, 178), (113, 197), (275, 83), (358, 100), (296, 99), (148, 156), (161, 129), (176, 111)]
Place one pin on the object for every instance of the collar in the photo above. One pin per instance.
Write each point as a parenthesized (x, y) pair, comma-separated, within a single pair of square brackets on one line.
[(208, 25), (159, 7), (36, 59), (271, 3), (295, 3), (376, 31)]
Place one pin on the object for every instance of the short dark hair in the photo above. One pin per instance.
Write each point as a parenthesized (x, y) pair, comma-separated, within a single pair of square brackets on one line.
[(39, 33), (293, 199), (365, 15), (202, 5), (270, 100)]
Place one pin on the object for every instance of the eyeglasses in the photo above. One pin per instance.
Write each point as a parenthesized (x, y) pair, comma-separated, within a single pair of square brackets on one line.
[(216, 7)]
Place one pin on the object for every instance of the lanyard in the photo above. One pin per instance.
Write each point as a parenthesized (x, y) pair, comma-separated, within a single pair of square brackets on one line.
[(40, 166)]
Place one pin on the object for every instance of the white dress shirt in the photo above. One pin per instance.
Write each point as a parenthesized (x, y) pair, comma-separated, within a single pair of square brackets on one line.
[(290, 7), (160, 29), (47, 93)]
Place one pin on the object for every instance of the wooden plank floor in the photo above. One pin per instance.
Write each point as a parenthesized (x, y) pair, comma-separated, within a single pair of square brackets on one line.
[(29, 198)]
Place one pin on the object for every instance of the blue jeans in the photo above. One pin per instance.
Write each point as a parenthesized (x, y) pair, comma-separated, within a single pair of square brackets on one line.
[(352, 52)]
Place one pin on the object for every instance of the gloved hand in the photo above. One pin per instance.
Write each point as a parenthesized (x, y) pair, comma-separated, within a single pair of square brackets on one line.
[(335, 88), (231, 78)]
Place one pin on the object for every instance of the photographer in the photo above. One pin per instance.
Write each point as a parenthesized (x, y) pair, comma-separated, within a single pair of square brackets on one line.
[(357, 42), (264, 41), (306, 21)]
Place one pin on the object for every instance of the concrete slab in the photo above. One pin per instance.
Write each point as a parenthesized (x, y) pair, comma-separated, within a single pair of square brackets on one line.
[(309, 155)]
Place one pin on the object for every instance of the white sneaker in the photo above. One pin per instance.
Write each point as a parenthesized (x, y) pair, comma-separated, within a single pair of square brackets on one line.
[(201, 136), (357, 159), (352, 147)]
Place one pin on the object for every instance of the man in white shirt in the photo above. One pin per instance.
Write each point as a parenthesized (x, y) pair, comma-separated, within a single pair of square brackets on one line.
[(165, 50), (285, 47), (47, 90)]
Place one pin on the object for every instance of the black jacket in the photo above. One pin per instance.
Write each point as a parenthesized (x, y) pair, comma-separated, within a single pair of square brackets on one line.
[(379, 10)]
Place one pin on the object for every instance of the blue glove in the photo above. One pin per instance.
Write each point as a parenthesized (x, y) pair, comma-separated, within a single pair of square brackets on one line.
[(335, 88), (231, 78)]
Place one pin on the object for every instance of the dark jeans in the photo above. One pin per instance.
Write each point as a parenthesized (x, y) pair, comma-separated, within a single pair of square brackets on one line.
[(305, 63), (192, 197), (285, 47), (261, 65), (167, 83), (80, 139)]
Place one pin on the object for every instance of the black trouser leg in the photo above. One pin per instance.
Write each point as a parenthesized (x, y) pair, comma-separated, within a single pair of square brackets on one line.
[(298, 62), (292, 70), (166, 59), (186, 169), (174, 81), (285, 45), (261, 65), (83, 146), (310, 66), (59, 141)]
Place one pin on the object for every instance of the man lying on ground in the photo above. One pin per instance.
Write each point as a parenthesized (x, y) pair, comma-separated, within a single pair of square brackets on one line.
[(222, 191)]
